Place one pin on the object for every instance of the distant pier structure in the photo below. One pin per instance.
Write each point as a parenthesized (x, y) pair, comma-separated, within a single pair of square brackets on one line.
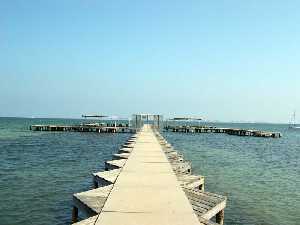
[(192, 128), (105, 124), (230, 131), (101, 124), (107, 128), (156, 120), (93, 116)]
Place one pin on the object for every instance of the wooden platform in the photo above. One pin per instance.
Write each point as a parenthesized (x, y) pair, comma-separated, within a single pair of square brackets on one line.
[(230, 131), (153, 186), (83, 128), (191, 181), (205, 204)]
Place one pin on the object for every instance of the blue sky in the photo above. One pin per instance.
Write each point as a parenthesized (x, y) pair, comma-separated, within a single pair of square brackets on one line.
[(223, 60)]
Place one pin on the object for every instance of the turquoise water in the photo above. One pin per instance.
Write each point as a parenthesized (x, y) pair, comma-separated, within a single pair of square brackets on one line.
[(39, 171), (261, 177)]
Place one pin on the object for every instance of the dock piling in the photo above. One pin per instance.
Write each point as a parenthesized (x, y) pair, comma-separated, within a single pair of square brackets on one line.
[(220, 217), (74, 214)]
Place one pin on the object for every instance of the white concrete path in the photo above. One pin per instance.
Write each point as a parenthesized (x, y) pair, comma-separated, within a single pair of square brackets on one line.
[(147, 191)]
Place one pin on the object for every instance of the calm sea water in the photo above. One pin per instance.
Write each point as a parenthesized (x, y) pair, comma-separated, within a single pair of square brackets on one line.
[(39, 171), (261, 177)]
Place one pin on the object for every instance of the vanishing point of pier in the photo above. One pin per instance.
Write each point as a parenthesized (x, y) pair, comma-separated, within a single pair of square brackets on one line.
[(148, 183)]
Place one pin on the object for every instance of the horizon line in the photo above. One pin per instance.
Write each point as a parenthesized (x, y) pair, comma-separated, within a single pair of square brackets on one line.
[(202, 121)]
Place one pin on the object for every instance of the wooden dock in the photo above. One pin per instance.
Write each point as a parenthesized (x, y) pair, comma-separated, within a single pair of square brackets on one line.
[(108, 128), (230, 131), (148, 183)]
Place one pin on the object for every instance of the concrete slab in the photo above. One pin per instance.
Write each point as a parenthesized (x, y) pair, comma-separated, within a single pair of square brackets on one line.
[(106, 177), (147, 191)]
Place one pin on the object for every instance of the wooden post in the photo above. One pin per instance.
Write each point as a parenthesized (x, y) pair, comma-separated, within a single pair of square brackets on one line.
[(201, 187), (74, 214), (95, 183), (220, 217), (136, 120)]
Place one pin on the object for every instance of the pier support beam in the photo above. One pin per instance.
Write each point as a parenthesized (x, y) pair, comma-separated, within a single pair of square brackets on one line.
[(201, 187), (95, 183), (74, 214), (220, 217)]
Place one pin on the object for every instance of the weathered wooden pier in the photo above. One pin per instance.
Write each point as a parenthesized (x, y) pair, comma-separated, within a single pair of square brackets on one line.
[(148, 183), (230, 131), (107, 128)]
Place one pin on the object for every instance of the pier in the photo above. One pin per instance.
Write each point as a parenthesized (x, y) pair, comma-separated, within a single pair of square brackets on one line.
[(107, 128), (230, 131), (148, 182)]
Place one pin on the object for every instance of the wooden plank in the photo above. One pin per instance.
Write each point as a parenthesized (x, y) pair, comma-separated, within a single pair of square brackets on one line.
[(211, 213)]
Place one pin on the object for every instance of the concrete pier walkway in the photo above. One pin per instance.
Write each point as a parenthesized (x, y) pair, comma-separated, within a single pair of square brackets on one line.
[(148, 183), (147, 190)]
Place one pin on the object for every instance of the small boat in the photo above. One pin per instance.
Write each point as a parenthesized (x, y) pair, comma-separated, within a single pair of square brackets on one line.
[(293, 122)]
